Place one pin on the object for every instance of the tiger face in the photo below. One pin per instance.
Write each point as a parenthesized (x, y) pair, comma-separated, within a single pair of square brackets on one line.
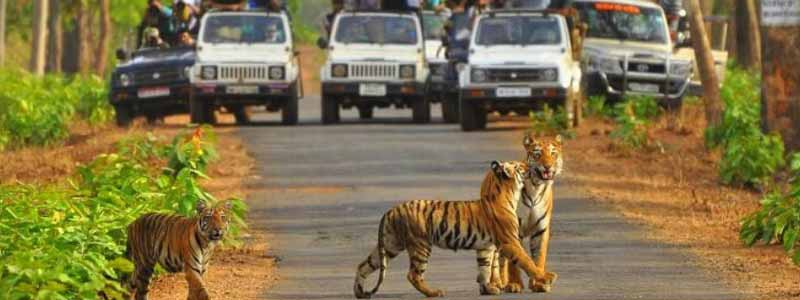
[(544, 156), (213, 220), (511, 170)]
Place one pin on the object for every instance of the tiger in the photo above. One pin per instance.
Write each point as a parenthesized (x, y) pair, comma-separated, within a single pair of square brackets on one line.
[(178, 244), (484, 225), (546, 163)]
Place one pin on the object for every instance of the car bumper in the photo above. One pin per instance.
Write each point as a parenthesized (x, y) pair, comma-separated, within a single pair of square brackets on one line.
[(621, 85), (178, 94), (243, 92), (409, 89), (536, 94)]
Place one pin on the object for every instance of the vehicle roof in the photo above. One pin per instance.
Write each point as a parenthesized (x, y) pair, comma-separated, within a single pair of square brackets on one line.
[(378, 12), (245, 12), (642, 3)]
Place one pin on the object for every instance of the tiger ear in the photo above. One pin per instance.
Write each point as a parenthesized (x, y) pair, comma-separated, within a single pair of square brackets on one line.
[(201, 206), (559, 139), (500, 170), (528, 140)]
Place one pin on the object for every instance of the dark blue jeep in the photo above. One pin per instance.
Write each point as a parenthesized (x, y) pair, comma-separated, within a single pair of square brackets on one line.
[(153, 83)]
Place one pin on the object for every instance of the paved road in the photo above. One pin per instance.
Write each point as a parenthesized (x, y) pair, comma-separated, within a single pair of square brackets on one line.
[(324, 188)]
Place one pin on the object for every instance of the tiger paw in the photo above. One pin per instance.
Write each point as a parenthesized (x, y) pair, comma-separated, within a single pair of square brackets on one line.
[(514, 287), (545, 285), (490, 289), (434, 293)]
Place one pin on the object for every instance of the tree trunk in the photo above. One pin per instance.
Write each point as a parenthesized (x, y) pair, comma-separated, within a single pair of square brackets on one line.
[(2, 32), (82, 26), (101, 56), (39, 43), (705, 62), (748, 34), (56, 38)]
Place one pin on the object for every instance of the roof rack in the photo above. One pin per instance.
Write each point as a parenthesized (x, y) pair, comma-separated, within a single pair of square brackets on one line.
[(386, 11), (544, 12)]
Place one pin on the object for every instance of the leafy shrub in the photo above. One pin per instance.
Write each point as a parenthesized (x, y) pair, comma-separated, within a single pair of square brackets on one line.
[(67, 241), (551, 122), (779, 217), (38, 110), (631, 130), (750, 157), (596, 106)]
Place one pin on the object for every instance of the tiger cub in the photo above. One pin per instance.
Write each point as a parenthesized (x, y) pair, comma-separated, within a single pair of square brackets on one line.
[(484, 225), (546, 163), (178, 244)]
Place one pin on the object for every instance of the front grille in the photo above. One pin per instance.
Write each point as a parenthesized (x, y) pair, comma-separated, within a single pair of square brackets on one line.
[(515, 75), (373, 71), (243, 72), (674, 85), (156, 76), (646, 67)]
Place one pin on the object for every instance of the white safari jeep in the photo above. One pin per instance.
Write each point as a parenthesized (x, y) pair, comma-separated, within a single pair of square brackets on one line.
[(375, 59), (519, 60), (245, 58), (628, 51)]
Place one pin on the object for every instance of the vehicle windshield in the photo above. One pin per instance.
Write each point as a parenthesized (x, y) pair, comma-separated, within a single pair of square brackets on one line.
[(357, 29), (176, 52), (433, 26), (518, 30), (244, 29), (623, 22)]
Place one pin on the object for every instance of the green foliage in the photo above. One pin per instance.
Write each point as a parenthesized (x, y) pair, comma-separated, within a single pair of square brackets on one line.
[(595, 106), (779, 217), (633, 116), (67, 242), (750, 157), (38, 110), (551, 122), (303, 33)]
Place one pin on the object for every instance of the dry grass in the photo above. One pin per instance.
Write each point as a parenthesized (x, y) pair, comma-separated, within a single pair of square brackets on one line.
[(674, 190)]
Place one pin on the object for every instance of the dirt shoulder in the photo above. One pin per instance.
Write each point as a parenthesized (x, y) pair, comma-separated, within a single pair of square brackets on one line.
[(242, 273), (674, 190)]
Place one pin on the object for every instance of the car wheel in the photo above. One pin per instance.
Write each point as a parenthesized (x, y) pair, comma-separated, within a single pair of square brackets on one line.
[(421, 110), (289, 113), (473, 117), (330, 110), (155, 119), (197, 110), (241, 114), (365, 112), (124, 115), (450, 109)]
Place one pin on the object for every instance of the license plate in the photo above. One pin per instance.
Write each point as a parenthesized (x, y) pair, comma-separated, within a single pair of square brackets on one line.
[(372, 89), (242, 89), (643, 87), (513, 92), (153, 92)]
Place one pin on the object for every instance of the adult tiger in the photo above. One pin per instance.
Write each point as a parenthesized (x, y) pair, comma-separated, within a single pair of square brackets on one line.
[(484, 225), (546, 163), (178, 244)]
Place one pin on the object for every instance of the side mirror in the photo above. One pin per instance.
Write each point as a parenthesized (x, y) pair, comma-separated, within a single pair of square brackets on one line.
[(122, 55), (322, 43)]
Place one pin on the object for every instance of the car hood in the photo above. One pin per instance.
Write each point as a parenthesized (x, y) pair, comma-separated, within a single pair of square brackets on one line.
[(158, 59), (244, 54), (517, 56), (375, 53), (619, 48)]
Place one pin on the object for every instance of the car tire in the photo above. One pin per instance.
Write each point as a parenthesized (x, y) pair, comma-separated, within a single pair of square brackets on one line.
[(365, 112), (450, 109), (290, 112), (241, 114), (330, 110), (124, 115), (421, 110), (201, 111), (473, 116), (155, 119)]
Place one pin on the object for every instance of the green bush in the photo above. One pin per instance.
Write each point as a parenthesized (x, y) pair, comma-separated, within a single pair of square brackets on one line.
[(67, 241), (750, 157), (633, 117), (38, 110), (551, 122), (779, 217), (595, 106)]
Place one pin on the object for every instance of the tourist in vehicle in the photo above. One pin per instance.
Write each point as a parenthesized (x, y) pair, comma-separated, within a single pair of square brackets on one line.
[(152, 39), (186, 16), (185, 39), (156, 16), (338, 6)]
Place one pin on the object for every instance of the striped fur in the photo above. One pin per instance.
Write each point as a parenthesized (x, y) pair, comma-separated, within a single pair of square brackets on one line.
[(178, 244), (484, 225), (544, 157)]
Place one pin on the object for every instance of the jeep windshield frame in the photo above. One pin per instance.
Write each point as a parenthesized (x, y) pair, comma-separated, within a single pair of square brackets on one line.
[(248, 29), (624, 22), (518, 30), (381, 29)]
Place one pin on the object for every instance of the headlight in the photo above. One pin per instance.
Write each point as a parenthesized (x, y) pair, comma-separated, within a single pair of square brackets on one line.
[(407, 71), (125, 80), (550, 75), (605, 64), (680, 69), (208, 72), (339, 70), (478, 75), (276, 73), (187, 72)]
